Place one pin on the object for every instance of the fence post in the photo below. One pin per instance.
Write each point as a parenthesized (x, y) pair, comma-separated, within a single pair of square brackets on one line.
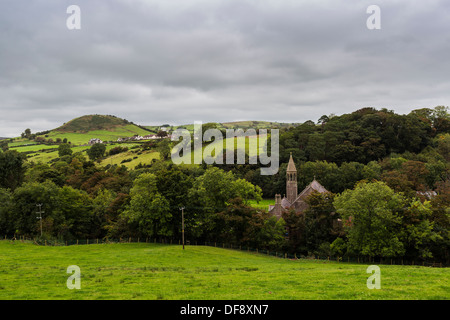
[(87, 241), (77, 241)]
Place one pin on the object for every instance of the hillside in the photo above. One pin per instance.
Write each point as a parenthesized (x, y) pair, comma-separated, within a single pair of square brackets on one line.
[(245, 125), (95, 122), (105, 127), (43, 146)]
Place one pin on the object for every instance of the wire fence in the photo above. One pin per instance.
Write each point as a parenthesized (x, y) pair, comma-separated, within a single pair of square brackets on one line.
[(283, 254)]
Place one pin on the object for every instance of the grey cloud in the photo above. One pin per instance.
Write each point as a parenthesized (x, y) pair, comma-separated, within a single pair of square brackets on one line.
[(156, 62)]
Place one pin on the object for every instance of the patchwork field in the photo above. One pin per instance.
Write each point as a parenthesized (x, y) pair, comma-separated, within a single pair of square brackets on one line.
[(154, 271)]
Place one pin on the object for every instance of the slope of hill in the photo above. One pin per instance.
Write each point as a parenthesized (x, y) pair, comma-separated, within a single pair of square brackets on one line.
[(92, 123), (245, 125), (105, 127), (43, 146)]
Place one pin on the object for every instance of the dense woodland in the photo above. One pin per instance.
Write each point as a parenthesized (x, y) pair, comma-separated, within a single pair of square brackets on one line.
[(388, 177)]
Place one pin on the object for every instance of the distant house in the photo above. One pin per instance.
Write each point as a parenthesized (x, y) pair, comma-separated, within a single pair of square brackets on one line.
[(151, 137), (94, 141), (427, 194)]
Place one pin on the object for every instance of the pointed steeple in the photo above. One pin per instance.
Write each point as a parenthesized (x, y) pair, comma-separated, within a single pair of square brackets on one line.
[(291, 165), (291, 181)]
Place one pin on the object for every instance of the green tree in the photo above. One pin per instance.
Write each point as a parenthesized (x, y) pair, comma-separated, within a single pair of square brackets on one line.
[(6, 213), (418, 232), (25, 198), (320, 221), (272, 235), (3, 146), (64, 149), (148, 209), (97, 151), (210, 194), (371, 217), (295, 228), (12, 169), (72, 215), (234, 224)]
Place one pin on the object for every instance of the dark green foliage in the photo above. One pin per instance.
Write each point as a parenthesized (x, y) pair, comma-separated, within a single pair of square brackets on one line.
[(12, 169), (64, 149), (97, 151)]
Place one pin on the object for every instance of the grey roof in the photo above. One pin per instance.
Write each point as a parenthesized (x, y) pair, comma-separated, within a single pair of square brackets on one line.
[(314, 185), (285, 203)]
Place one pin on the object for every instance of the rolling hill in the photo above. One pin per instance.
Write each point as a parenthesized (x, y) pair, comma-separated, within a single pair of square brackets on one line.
[(43, 147), (105, 127)]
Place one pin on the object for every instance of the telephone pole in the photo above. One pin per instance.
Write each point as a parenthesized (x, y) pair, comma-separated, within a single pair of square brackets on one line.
[(182, 225), (40, 214)]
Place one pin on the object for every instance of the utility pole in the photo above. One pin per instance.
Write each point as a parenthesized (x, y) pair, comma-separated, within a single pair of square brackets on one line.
[(40, 214), (182, 225)]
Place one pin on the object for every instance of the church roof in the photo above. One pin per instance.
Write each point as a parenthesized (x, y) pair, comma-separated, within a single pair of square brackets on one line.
[(313, 186), (291, 164), (285, 203), (317, 186)]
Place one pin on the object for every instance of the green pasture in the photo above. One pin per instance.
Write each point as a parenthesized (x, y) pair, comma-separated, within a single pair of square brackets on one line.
[(155, 271), (80, 138)]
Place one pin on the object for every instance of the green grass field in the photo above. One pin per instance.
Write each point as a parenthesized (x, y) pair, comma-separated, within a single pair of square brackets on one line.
[(79, 138), (154, 271), (263, 204)]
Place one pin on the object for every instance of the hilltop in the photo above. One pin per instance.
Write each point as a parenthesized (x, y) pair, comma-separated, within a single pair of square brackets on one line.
[(105, 127), (94, 122)]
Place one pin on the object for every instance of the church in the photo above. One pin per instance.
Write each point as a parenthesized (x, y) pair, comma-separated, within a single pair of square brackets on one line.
[(292, 199)]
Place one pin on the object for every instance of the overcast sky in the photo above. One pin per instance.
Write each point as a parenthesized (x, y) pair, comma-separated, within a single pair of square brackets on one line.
[(165, 61)]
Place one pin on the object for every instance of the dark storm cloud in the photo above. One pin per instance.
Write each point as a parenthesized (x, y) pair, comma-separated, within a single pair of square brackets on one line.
[(156, 62)]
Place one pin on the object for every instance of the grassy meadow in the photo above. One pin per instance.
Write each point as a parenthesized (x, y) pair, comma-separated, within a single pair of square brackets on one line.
[(80, 138), (155, 271), (263, 204)]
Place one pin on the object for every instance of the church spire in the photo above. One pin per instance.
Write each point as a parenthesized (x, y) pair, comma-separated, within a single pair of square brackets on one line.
[(291, 180), (291, 165)]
